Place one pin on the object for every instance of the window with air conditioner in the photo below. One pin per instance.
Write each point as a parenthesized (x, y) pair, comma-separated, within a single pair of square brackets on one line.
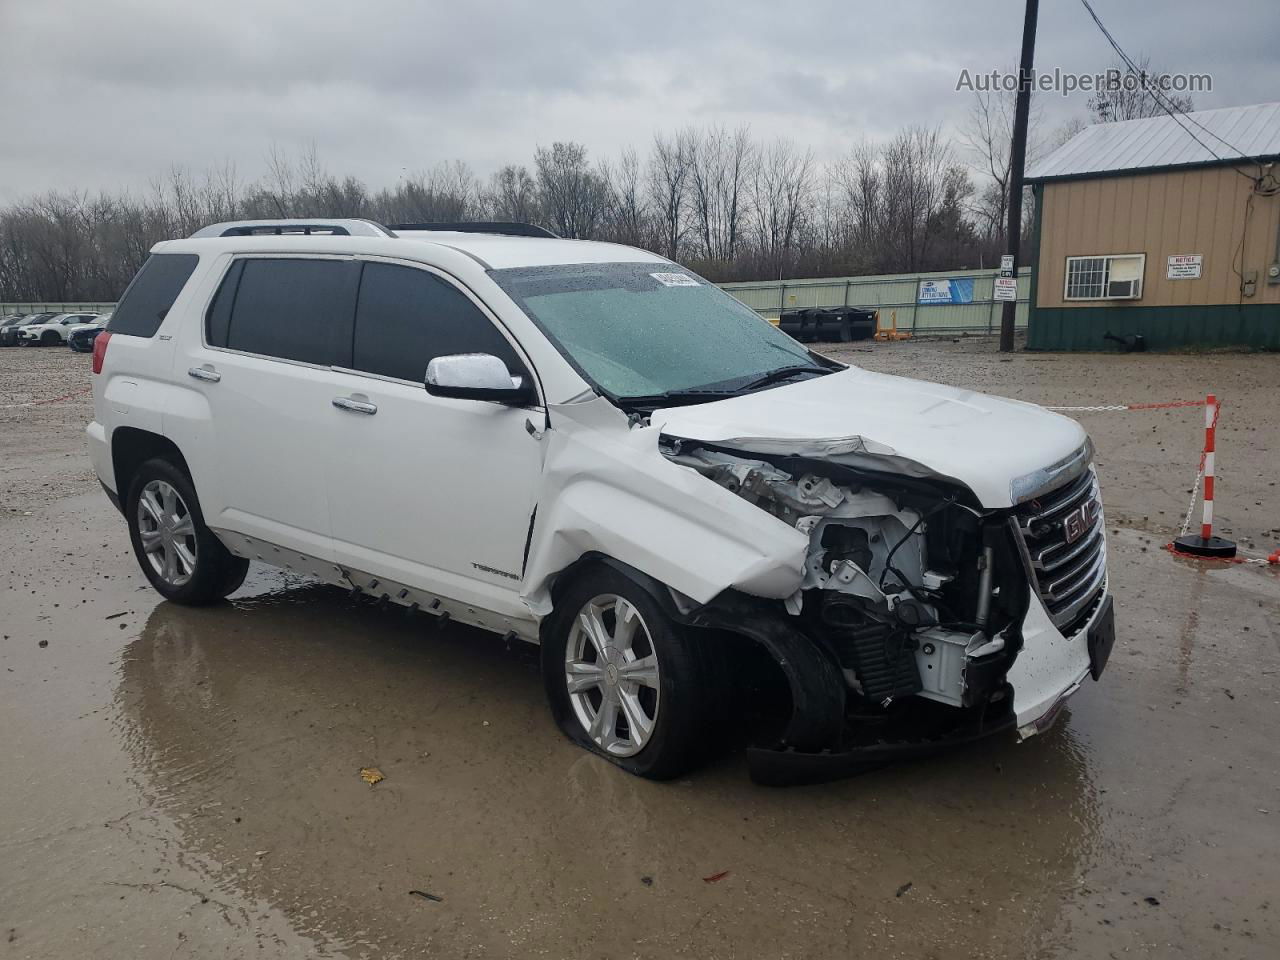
[(1117, 277)]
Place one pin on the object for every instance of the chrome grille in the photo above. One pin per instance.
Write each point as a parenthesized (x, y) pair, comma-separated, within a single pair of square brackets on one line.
[(1065, 549)]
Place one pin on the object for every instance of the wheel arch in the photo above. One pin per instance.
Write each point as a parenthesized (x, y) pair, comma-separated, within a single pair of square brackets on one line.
[(663, 595), (131, 447), (814, 683)]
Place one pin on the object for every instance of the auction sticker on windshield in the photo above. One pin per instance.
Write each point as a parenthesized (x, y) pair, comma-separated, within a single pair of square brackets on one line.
[(675, 279)]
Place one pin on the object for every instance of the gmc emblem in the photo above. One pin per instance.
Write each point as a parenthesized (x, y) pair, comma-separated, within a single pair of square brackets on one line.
[(1078, 522)]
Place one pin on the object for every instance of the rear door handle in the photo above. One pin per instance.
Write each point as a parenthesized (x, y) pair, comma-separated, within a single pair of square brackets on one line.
[(206, 373), (355, 405)]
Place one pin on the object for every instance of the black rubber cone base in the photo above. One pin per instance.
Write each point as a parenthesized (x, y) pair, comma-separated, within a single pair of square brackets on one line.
[(1200, 547)]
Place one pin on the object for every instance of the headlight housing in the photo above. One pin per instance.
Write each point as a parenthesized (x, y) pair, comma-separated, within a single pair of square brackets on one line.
[(1031, 485)]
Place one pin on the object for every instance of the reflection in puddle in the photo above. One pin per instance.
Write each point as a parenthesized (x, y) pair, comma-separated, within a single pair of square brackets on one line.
[(1187, 635), (250, 722)]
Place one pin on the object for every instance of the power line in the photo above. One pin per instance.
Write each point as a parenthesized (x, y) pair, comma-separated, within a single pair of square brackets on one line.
[(1158, 96)]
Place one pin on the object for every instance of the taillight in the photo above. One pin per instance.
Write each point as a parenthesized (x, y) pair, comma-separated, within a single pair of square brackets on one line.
[(100, 349)]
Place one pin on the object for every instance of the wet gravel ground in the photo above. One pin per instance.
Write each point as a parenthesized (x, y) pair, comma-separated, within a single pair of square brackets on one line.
[(185, 783)]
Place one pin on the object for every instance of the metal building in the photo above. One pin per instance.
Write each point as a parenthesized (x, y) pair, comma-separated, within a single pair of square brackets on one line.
[(1166, 229)]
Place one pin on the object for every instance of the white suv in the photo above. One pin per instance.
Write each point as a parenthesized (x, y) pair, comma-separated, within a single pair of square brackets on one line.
[(586, 446), (52, 330)]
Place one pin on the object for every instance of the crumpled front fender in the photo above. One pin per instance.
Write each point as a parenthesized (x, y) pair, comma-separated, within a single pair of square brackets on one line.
[(607, 489)]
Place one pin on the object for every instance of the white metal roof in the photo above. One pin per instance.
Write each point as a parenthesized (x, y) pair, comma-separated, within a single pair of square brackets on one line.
[(1248, 132)]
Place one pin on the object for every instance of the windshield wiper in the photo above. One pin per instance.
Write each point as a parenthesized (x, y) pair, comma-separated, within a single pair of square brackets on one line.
[(676, 397), (782, 373)]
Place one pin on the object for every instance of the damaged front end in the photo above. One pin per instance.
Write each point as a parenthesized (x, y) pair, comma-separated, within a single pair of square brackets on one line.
[(908, 618)]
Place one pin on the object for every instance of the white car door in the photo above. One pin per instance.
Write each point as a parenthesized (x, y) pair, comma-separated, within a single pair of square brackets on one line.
[(432, 492), (264, 365)]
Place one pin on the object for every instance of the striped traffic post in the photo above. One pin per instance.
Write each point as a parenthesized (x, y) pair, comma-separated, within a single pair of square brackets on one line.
[(1210, 422), (1206, 544)]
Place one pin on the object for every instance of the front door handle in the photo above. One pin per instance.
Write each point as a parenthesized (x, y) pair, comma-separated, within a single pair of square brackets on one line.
[(355, 404), (205, 372)]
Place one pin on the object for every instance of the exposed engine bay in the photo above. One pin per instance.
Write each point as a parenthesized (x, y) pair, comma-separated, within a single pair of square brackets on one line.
[(914, 590)]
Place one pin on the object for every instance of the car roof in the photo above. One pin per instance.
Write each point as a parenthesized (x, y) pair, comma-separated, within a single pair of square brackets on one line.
[(498, 251), (492, 251)]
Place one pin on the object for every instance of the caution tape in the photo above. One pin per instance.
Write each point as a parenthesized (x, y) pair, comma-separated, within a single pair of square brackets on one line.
[(37, 403), (1113, 407)]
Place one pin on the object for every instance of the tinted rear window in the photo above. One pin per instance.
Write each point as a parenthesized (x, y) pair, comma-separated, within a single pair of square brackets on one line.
[(152, 292), (407, 316), (293, 309)]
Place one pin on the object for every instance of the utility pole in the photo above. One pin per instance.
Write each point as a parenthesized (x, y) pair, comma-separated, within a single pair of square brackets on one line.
[(1017, 160)]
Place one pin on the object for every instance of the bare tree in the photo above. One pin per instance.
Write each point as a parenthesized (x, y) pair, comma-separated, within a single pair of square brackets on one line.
[(279, 186), (512, 195), (988, 135), (1138, 93), (628, 218), (669, 163), (1064, 133), (721, 165), (781, 191), (446, 193), (915, 165), (571, 194), (858, 182)]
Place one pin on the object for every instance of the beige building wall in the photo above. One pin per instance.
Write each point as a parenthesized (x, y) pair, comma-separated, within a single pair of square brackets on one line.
[(1161, 214)]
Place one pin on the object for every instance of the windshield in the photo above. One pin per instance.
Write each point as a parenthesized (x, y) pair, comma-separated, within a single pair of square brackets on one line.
[(639, 330)]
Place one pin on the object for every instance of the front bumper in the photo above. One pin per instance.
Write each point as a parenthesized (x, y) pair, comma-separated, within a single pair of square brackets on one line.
[(1048, 670), (1050, 667), (789, 767)]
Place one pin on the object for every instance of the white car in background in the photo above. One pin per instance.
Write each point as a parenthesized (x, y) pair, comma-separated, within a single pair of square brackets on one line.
[(54, 330), (586, 446)]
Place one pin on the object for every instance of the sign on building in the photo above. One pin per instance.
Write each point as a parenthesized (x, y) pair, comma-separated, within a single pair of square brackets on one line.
[(1006, 288), (943, 292), (1185, 266)]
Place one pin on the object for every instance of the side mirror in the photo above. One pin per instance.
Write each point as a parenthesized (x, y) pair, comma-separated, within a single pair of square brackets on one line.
[(477, 376)]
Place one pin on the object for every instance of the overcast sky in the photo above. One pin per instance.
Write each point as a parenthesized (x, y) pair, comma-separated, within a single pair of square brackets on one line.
[(108, 94)]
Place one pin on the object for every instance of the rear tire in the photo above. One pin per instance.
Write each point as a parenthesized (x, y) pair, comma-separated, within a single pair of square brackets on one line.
[(178, 553), (626, 681)]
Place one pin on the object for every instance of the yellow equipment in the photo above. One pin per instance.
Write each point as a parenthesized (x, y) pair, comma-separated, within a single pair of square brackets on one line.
[(892, 333)]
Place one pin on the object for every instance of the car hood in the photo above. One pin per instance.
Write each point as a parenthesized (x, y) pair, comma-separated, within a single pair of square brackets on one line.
[(907, 425)]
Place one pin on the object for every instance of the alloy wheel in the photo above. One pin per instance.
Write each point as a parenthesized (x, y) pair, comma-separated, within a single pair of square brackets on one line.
[(611, 672), (167, 531)]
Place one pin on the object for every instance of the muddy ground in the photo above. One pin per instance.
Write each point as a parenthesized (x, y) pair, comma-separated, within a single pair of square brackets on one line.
[(185, 783)]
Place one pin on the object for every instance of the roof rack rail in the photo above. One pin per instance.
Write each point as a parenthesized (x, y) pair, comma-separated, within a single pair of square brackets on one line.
[(287, 227), (503, 227)]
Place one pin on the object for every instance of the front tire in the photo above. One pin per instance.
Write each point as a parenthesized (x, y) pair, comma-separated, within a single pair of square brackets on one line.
[(178, 553), (49, 338), (626, 681)]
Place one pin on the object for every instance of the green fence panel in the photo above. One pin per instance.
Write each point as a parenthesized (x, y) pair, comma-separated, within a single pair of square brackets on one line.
[(890, 294)]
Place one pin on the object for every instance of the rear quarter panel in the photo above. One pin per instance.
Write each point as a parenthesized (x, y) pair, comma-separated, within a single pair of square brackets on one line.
[(138, 386)]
